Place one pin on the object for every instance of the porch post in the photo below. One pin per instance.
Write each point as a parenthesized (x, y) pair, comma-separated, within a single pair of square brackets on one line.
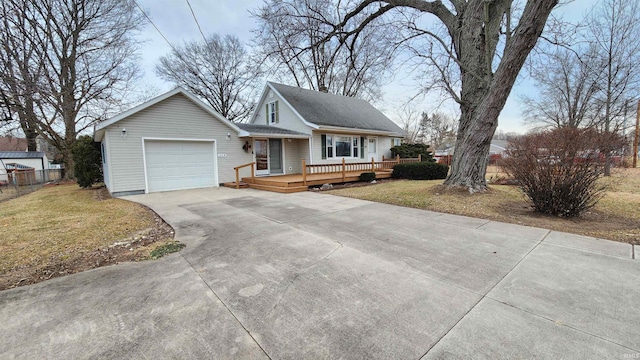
[(304, 172), (419, 157), (373, 164), (343, 170), (253, 173), (237, 179), (398, 158)]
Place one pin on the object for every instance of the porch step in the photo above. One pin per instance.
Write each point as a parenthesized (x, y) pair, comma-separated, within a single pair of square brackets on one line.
[(279, 189), (241, 185)]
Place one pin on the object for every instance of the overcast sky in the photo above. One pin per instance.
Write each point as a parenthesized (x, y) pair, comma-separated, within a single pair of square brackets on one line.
[(174, 20)]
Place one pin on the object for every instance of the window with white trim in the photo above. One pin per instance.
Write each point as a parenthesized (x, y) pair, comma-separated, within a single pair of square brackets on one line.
[(272, 112), (396, 141), (341, 146)]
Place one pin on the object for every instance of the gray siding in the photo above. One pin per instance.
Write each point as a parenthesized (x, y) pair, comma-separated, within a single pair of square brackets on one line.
[(384, 146), (287, 118), (174, 118), (295, 151)]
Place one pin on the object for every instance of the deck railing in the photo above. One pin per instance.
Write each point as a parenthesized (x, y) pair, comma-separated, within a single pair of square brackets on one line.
[(344, 167), (237, 169)]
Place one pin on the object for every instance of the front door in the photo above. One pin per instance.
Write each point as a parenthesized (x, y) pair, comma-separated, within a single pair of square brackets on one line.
[(268, 156), (261, 150), (275, 156), (372, 147)]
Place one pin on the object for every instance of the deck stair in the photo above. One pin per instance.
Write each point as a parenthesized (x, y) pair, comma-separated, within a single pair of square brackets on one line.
[(232, 184)]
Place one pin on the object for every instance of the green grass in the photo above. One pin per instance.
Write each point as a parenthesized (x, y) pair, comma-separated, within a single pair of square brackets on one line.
[(166, 249)]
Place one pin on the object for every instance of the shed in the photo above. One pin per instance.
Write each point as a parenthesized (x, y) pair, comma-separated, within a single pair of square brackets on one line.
[(36, 160)]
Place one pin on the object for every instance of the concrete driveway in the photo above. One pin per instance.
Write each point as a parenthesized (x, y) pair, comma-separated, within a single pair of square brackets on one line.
[(308, 276)]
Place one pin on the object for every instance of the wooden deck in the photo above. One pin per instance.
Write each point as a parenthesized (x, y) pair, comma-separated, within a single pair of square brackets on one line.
[(294, 182), (316, 174)]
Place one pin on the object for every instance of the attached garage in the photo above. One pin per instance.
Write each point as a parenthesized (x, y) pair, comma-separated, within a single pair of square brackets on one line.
[(179, 164), (172, 142)]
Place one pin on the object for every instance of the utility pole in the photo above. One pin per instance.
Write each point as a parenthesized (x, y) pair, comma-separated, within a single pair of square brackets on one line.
[(635, 138)]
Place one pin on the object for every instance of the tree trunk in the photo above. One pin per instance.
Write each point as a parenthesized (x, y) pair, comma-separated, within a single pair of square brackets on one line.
[(470, 156), (483, 94)]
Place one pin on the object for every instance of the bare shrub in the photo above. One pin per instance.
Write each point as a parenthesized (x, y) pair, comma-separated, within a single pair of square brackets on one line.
[(558, 170)]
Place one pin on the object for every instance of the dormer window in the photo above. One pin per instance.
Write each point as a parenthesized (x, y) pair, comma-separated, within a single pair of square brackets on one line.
[(272, 113)]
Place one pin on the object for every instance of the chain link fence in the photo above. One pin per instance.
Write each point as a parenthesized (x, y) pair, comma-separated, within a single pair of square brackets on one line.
[(15, 183)]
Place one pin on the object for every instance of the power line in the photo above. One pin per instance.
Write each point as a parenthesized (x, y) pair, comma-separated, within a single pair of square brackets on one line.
[(197, 23), (154, 25)]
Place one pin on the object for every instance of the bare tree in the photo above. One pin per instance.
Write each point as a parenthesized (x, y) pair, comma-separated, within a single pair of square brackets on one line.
[(293, 39), (87, 51), (23, 69), (437, 130), (615, 29), (477, 48), (568, 83), (218, 70), (410, 122)]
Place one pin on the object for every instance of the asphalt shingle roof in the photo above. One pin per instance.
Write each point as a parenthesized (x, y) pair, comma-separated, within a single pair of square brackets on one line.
[(21, 154), (335, 110), (265, 129)]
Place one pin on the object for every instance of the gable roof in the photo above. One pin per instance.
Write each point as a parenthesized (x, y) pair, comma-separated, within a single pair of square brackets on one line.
[(98, 130), (21, 155), (10, 143), (329, 110)]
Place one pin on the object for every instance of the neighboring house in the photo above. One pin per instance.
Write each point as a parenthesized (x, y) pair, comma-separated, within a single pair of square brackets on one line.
[(21, 160), (175, 141), (498, 147), (10, 143), (496, 150), (52, 153)]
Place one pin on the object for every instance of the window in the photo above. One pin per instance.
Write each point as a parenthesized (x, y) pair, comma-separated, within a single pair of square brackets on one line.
[(343, 146), (339, 146), (272, 113), (104, 153), (396, 142)]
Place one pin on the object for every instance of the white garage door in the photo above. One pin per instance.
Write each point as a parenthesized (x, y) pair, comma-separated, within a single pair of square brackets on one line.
[(179, 165)]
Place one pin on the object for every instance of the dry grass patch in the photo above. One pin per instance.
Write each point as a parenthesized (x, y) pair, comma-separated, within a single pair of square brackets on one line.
[(615, 217), (64, 229)]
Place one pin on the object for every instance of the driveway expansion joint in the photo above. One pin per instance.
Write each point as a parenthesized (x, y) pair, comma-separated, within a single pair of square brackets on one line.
[(485, 295), (227, 308), (340, 246), (561, 323)]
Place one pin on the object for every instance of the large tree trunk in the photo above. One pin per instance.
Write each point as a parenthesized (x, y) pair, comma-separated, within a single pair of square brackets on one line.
[(483, 94)]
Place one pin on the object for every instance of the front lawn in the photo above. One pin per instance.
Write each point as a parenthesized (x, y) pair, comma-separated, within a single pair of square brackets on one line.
[(63, 229), (615, 217)]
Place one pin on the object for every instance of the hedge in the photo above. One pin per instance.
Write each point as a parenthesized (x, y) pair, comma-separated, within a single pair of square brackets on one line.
[(367, 176), (412, 151), (420, 171)]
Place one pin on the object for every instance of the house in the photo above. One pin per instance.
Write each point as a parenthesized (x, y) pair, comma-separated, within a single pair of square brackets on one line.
[(496, 152), (175, 141), (10, 143), (32, 161), (335, 127)]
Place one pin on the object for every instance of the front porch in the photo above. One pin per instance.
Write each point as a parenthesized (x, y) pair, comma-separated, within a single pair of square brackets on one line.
[(316, 174)]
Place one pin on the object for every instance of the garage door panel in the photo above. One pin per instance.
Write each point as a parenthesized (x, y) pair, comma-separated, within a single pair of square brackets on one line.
[(177, 165)]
